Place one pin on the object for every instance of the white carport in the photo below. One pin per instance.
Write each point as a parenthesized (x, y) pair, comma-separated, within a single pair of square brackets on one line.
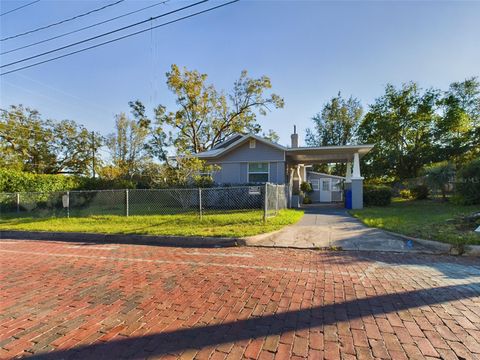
[(299, 158)]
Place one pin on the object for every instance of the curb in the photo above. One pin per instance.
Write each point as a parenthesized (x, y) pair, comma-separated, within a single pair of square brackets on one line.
[(177, 241), (470, 250)]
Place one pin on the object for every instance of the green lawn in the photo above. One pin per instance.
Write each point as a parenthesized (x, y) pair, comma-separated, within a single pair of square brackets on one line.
[(233, 224), (427, 219)]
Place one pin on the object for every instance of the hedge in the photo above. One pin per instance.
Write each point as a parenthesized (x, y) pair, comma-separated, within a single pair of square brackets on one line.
[(420, 192), (377, 195), (18, 181), (468, 186)]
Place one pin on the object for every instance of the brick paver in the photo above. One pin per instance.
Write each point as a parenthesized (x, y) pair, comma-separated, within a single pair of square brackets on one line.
[(63, 300)]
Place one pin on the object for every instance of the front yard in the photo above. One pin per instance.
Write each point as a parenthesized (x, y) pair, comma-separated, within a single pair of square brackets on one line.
[(233, 224), (427, 219)]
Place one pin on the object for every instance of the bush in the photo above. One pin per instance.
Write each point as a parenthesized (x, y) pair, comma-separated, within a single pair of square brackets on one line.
[(406, 194), (377, 195), (468, 186), (306, 187), (19, 181), (420, 192), (307, 200)]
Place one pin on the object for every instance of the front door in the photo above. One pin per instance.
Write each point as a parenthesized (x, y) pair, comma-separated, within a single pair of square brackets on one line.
[(325, 190)]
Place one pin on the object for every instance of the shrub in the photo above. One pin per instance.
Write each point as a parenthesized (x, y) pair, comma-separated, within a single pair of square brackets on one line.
[(377, 195), (307, 200), (18, 181), (306, 187), (420, 192), (406, 194), (468, 186)]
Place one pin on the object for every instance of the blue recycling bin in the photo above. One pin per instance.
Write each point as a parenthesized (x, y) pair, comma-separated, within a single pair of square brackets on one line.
[(348, 199)]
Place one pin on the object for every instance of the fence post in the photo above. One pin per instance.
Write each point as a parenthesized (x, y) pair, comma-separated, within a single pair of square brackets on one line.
[(265, 205), (276, 203), (18, 202), (126, 203), (200, 202)]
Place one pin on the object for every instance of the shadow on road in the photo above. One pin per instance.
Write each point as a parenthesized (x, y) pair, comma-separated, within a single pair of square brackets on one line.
[(175, 342)]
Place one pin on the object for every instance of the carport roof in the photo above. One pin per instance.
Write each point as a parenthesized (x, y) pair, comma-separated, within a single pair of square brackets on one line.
[(325, 154)]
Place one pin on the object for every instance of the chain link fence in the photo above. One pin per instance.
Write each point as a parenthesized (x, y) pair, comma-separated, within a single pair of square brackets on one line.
[(269, 198)]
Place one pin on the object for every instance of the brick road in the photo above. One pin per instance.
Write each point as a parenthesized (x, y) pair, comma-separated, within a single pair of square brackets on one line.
[(67, 300)]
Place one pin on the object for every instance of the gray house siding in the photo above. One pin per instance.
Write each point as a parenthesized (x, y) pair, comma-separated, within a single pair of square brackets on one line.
[(277, 172), (234, 164)]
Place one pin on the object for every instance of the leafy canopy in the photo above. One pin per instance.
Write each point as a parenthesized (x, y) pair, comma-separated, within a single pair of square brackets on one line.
[(205, 116), (30, 143)]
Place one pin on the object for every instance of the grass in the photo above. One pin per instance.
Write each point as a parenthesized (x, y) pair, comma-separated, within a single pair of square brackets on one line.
[(427, 219), (233, 224)]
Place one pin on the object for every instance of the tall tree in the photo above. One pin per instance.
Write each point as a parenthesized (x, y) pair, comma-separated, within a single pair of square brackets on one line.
[(458, 130), (337, 123), (29, 143), (127, 147), (401, 124), (205, 116), (271, 135)]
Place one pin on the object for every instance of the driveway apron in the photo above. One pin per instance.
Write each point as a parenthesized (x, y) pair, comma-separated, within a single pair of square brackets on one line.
[(332, 227)]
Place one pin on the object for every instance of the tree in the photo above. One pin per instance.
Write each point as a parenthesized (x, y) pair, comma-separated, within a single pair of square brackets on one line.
[(205, 116), (401, 124), (127, 147), (29, 143), (458, 130), (336, 125), (271, 135)]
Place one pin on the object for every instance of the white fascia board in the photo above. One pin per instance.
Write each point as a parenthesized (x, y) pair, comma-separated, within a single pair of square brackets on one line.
[(218, 152)]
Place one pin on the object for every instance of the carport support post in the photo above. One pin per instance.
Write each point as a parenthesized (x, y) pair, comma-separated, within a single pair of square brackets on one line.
[(357, 184), (126, 203), (200, 202)]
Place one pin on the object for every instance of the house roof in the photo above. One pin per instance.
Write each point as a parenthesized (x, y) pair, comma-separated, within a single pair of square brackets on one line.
[(323, 154), (233, 142), (323, 174), (299, 155)]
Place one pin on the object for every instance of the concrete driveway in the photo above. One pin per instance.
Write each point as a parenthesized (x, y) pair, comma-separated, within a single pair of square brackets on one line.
[(331, 226)]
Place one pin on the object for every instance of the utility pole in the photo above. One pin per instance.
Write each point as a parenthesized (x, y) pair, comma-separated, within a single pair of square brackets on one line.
[(93, 154)]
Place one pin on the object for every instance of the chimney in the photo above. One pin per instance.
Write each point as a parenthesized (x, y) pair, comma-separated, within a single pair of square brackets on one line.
[(294, 137)]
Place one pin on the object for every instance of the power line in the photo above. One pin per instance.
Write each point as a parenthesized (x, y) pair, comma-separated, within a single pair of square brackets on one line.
[(18, 8), (102, 35), (62, 21), (119, 38), (82, 28)]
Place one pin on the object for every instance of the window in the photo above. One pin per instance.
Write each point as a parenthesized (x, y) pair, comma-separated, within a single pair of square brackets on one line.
[(252, 143), (258, 172), (315, 185), (325, 185), (336, 185)]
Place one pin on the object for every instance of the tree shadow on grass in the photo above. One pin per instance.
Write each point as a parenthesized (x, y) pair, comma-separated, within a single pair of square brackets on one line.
[(177, 341)]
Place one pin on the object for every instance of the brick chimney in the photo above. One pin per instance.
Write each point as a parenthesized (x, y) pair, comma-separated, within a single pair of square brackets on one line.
[(294, 137)]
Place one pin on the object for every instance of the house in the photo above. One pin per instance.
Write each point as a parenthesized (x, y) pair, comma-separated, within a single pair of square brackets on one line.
[(252, 159)]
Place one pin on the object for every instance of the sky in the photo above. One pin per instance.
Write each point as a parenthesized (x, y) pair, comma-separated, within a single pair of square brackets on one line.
[(311, 50)]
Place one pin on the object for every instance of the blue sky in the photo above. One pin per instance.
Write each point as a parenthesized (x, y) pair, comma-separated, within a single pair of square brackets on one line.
[(309, 49)]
